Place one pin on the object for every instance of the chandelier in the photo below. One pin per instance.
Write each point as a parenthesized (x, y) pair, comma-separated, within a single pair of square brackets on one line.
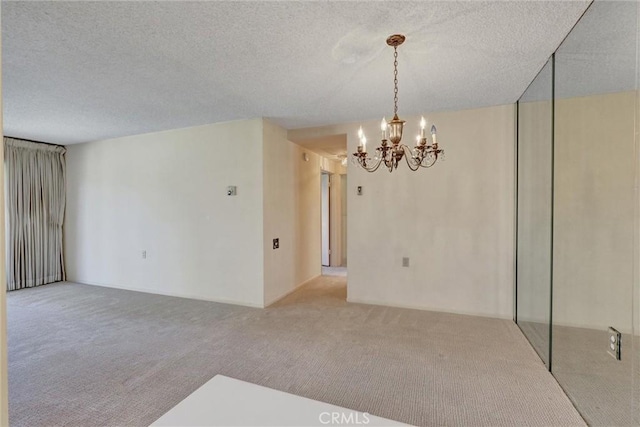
[(423, 155)]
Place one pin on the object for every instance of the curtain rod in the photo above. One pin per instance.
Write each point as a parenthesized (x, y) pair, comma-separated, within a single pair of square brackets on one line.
[(37, 142)]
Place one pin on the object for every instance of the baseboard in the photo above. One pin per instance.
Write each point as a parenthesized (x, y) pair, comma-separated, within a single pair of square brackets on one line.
[(625, 329), (424, 308), (289, 292), (169, 294)]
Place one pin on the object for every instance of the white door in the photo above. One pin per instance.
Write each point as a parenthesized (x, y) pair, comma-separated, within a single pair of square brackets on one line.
[(325, 219)]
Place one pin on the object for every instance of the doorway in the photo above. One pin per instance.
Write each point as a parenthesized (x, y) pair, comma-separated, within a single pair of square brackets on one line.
[(326, 219), (333, 213)]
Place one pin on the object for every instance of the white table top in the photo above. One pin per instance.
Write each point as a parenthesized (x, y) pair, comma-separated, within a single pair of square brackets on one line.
[(224, 401)]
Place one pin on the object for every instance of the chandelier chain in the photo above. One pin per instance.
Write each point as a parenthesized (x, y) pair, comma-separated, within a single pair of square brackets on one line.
[(395, 80)]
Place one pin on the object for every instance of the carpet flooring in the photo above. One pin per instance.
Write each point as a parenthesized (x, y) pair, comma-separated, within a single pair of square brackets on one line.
[(84, 355), (606, 391)]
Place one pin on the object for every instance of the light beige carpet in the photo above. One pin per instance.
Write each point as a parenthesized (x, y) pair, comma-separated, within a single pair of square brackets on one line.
[(84, 355), (605, 390)]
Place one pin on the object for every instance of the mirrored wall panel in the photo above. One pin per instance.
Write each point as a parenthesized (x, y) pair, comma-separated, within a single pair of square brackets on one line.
[(534, 173), (594, 213), (578, 214)]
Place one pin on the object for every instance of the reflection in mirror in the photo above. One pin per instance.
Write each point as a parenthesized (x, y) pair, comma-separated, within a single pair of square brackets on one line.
[(535, 118), (594, 212)]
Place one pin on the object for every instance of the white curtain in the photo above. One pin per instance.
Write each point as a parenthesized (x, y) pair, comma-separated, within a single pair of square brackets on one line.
[(35, 202)]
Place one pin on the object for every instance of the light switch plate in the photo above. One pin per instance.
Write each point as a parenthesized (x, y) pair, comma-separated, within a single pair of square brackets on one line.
[(614, 345), (231, 190), (359, 190)]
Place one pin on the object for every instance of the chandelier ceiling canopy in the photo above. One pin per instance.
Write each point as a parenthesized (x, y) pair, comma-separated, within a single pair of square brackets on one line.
[(424, 155)]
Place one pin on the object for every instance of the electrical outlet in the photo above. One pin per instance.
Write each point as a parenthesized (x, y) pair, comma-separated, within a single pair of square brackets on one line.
[(614, 343), (405, 261), (144, 254), (276, 243)]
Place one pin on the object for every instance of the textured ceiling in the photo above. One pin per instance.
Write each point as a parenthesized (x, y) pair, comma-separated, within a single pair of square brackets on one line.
[(82, 71), (599, 56)]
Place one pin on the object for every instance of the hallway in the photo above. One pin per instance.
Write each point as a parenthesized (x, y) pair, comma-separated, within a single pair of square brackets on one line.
[(334, 271)]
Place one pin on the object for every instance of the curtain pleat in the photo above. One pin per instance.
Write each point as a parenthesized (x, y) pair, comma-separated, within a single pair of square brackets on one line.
[(35, 203)]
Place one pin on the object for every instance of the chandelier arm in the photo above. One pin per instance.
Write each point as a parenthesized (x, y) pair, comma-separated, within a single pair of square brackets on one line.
[(417, 160), (372, 168), (407, 154), (431, 163), (387, 158)]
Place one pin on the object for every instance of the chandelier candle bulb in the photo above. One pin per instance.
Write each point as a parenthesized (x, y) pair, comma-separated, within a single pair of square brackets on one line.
[(433, 134), (383, 127), (364, 144), (423, 123)]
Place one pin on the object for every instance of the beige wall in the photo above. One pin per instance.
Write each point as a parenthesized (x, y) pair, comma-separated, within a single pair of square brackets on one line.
[(165, 193), (279, 213), (455, 221), (291, 213), (308, 213), (594, 211)]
